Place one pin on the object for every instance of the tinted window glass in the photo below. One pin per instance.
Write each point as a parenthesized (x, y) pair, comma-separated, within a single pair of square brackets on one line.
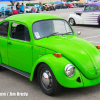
[(20, 32), (96, 7), (4, 29), (89, 8)]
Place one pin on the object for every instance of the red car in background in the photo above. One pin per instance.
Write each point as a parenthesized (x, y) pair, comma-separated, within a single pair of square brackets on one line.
[(69, 5)]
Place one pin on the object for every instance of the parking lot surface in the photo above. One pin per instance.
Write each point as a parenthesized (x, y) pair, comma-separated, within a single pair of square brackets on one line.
[(12, 83)]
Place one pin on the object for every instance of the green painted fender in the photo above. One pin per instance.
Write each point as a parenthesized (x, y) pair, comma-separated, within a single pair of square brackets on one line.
[(96, 47), (99, 50), (57, 66)]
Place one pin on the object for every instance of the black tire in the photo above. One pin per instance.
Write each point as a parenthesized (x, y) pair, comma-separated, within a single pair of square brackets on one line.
[(53, 87), (72, 21)]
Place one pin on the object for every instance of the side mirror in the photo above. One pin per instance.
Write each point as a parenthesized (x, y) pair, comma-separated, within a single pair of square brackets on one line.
[(78, 33)]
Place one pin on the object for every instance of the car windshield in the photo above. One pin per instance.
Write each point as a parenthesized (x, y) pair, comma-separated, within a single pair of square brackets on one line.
[(47, 28)]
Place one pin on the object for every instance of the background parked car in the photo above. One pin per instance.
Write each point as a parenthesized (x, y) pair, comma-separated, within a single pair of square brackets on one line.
[(81, 5), (6, 10), (47, 7), (29, 9), (38, 7), (1, 9), (64, 5), (69, 5), (89, 16), (59, 6)]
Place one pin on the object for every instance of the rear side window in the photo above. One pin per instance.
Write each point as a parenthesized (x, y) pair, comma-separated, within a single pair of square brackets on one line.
[(19, 32), (4, 29), (89, 8), (96, 7)]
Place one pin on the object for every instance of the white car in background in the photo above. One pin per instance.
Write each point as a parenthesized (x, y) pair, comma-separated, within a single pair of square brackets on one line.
[(29, 8), (89, 16)]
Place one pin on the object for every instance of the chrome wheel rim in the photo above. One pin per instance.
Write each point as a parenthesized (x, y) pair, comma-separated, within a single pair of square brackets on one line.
[(46, 79), (72, 21)]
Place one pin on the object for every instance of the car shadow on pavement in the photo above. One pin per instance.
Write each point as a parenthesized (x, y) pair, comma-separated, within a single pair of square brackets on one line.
[(75, 92), (25, 84)]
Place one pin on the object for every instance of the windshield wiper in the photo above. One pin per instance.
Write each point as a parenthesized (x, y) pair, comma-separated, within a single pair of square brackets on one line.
[(65, 33), (53, 34)]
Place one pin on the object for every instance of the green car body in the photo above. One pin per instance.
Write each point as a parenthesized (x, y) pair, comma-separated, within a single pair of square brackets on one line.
[(28, 56)]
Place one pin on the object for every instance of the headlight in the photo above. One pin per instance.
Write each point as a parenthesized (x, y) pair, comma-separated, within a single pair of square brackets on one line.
[(69, 70)]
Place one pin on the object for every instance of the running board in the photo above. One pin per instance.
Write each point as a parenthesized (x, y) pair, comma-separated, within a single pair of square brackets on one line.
[(16, 70)]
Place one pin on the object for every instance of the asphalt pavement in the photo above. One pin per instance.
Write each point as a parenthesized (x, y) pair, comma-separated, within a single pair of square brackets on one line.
[(16, 87)]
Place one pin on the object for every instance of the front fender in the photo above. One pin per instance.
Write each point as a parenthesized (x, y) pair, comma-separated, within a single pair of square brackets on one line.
[(96, 47), (57, 66), (77, 18)]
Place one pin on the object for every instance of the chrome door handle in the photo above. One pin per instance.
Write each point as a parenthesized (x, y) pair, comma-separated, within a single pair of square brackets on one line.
[(9, 43)]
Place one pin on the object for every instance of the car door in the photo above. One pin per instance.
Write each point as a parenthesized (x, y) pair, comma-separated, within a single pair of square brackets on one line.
[(20, 47), (87, 15), (3, 41)]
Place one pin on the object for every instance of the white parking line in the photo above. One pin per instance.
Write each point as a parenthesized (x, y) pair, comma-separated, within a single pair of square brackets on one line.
[(87, 29), (94, 42), (91, 36), (96, 30), (79, 28)]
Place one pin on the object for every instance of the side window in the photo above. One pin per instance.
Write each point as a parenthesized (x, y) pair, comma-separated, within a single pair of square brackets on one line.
[(96, 7), (4, 29), (20, 32), (89, 8)]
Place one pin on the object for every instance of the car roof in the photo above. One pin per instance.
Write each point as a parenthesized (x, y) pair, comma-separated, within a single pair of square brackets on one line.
[(31, 17), (95, 3)]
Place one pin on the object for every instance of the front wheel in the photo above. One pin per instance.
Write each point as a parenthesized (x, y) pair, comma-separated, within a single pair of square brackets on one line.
[(47, 80), (72, 21)]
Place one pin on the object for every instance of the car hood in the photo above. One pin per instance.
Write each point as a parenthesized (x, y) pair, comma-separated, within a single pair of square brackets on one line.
[(83, 54)]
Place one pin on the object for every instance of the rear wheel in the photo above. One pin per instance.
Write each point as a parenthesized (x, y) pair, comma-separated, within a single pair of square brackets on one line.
[(47, 80), (72, 21)]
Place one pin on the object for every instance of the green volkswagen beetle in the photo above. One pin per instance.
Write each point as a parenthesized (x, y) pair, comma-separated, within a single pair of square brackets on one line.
[(46, 46)]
